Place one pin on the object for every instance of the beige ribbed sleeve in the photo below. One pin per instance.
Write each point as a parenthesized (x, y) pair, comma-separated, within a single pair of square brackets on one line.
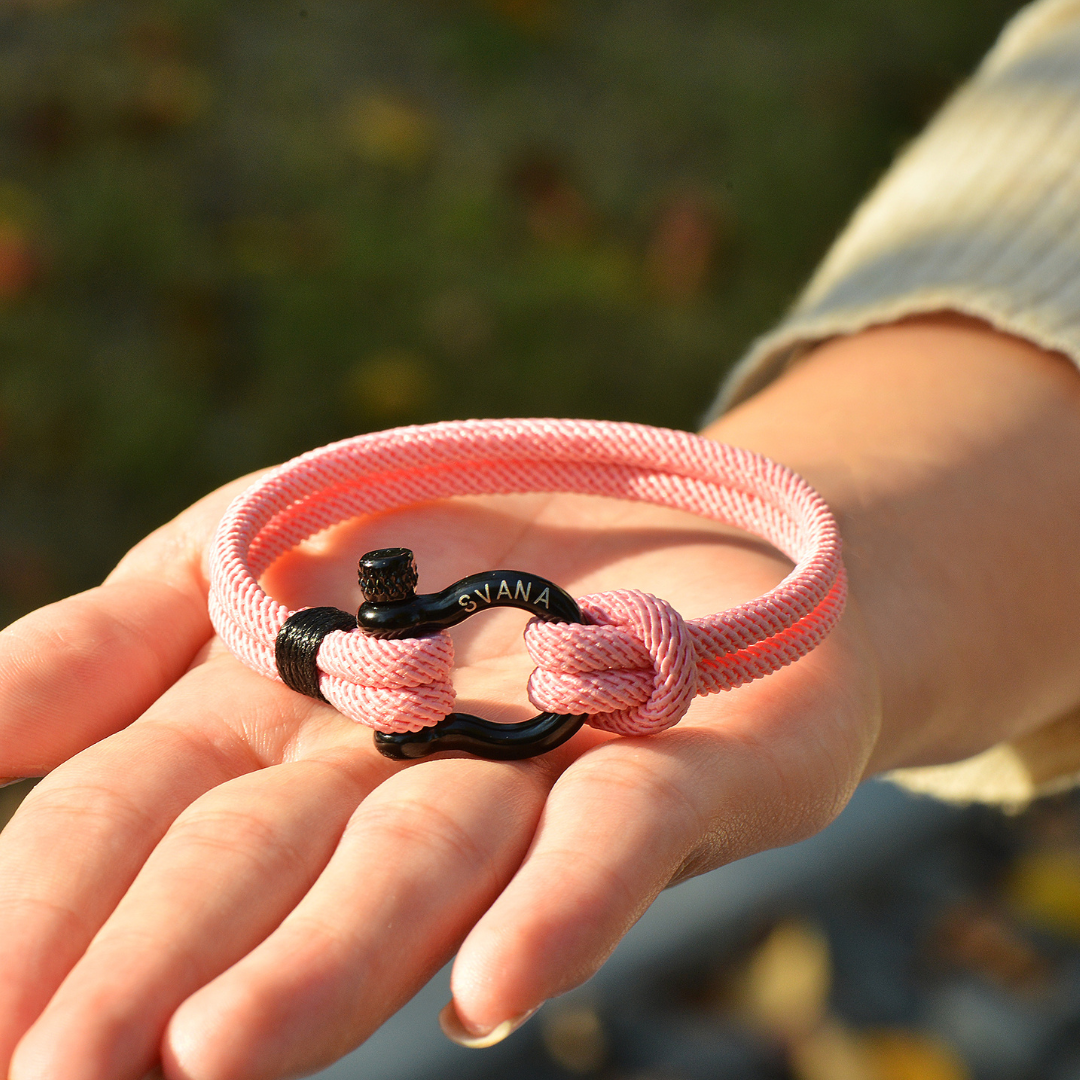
[(981, 215)]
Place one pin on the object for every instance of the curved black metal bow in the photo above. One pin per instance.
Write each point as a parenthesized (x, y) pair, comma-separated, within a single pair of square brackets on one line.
[(392, 609)]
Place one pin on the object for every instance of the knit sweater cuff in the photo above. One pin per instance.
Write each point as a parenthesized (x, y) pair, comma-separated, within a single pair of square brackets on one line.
[(979, 215), (1011, 774)]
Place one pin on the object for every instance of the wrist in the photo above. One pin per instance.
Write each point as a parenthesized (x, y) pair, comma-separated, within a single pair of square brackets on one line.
[(946, 452)]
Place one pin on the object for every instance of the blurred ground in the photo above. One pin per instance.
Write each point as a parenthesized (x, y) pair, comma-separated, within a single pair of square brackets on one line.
[(231, 231), (958, 959)]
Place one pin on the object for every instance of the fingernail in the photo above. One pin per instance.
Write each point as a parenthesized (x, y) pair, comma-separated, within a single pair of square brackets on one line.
[(455, 1030)]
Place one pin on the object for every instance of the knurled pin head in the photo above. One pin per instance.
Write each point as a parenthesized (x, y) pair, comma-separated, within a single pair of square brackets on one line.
[(388, 575)]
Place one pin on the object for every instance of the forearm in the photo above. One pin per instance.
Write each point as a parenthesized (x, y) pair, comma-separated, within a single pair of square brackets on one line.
[(950, 455)]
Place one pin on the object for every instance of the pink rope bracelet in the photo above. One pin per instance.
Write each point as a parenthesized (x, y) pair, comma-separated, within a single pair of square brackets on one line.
[(632, 665)]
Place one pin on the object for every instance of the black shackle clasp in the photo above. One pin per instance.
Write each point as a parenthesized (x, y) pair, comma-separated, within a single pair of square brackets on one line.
[(392, 609)]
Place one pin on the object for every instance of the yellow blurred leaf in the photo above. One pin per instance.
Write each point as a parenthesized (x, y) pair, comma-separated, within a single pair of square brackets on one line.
[(910, 1055), (574, 1038), (785, 985), (388, 131), (831, 1052), (1043, 887), (390, 384)]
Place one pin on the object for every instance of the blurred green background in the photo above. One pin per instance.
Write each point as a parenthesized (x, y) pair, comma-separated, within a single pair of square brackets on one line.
[(231, 230)]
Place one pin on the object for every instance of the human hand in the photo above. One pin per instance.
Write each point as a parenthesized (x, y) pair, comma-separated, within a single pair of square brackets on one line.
[(224, 874)]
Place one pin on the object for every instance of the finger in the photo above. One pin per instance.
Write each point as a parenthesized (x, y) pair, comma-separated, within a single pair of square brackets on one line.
[(229, 869), (417, 864), (633, 815), (80, 837), (80, 669)]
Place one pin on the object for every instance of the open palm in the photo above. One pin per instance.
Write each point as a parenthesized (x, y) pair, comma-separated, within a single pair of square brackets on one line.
[(225, 876)]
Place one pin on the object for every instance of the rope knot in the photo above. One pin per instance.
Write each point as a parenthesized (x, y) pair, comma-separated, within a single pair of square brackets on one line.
[(632, 667)]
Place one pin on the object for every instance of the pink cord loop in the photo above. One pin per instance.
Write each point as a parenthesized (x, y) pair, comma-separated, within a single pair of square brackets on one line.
[(386, 681), (634, 671), (638, 666)]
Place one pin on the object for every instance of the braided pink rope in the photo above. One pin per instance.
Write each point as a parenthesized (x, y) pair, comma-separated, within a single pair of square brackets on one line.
[(637, 664)]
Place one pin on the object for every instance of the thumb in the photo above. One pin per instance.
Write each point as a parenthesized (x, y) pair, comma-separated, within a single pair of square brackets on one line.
[(78, 670)]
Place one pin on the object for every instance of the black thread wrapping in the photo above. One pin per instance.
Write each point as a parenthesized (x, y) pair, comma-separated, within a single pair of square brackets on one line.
[(297, 646)]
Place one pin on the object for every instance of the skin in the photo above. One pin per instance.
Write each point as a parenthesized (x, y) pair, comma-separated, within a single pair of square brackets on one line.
[(224, 877)]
